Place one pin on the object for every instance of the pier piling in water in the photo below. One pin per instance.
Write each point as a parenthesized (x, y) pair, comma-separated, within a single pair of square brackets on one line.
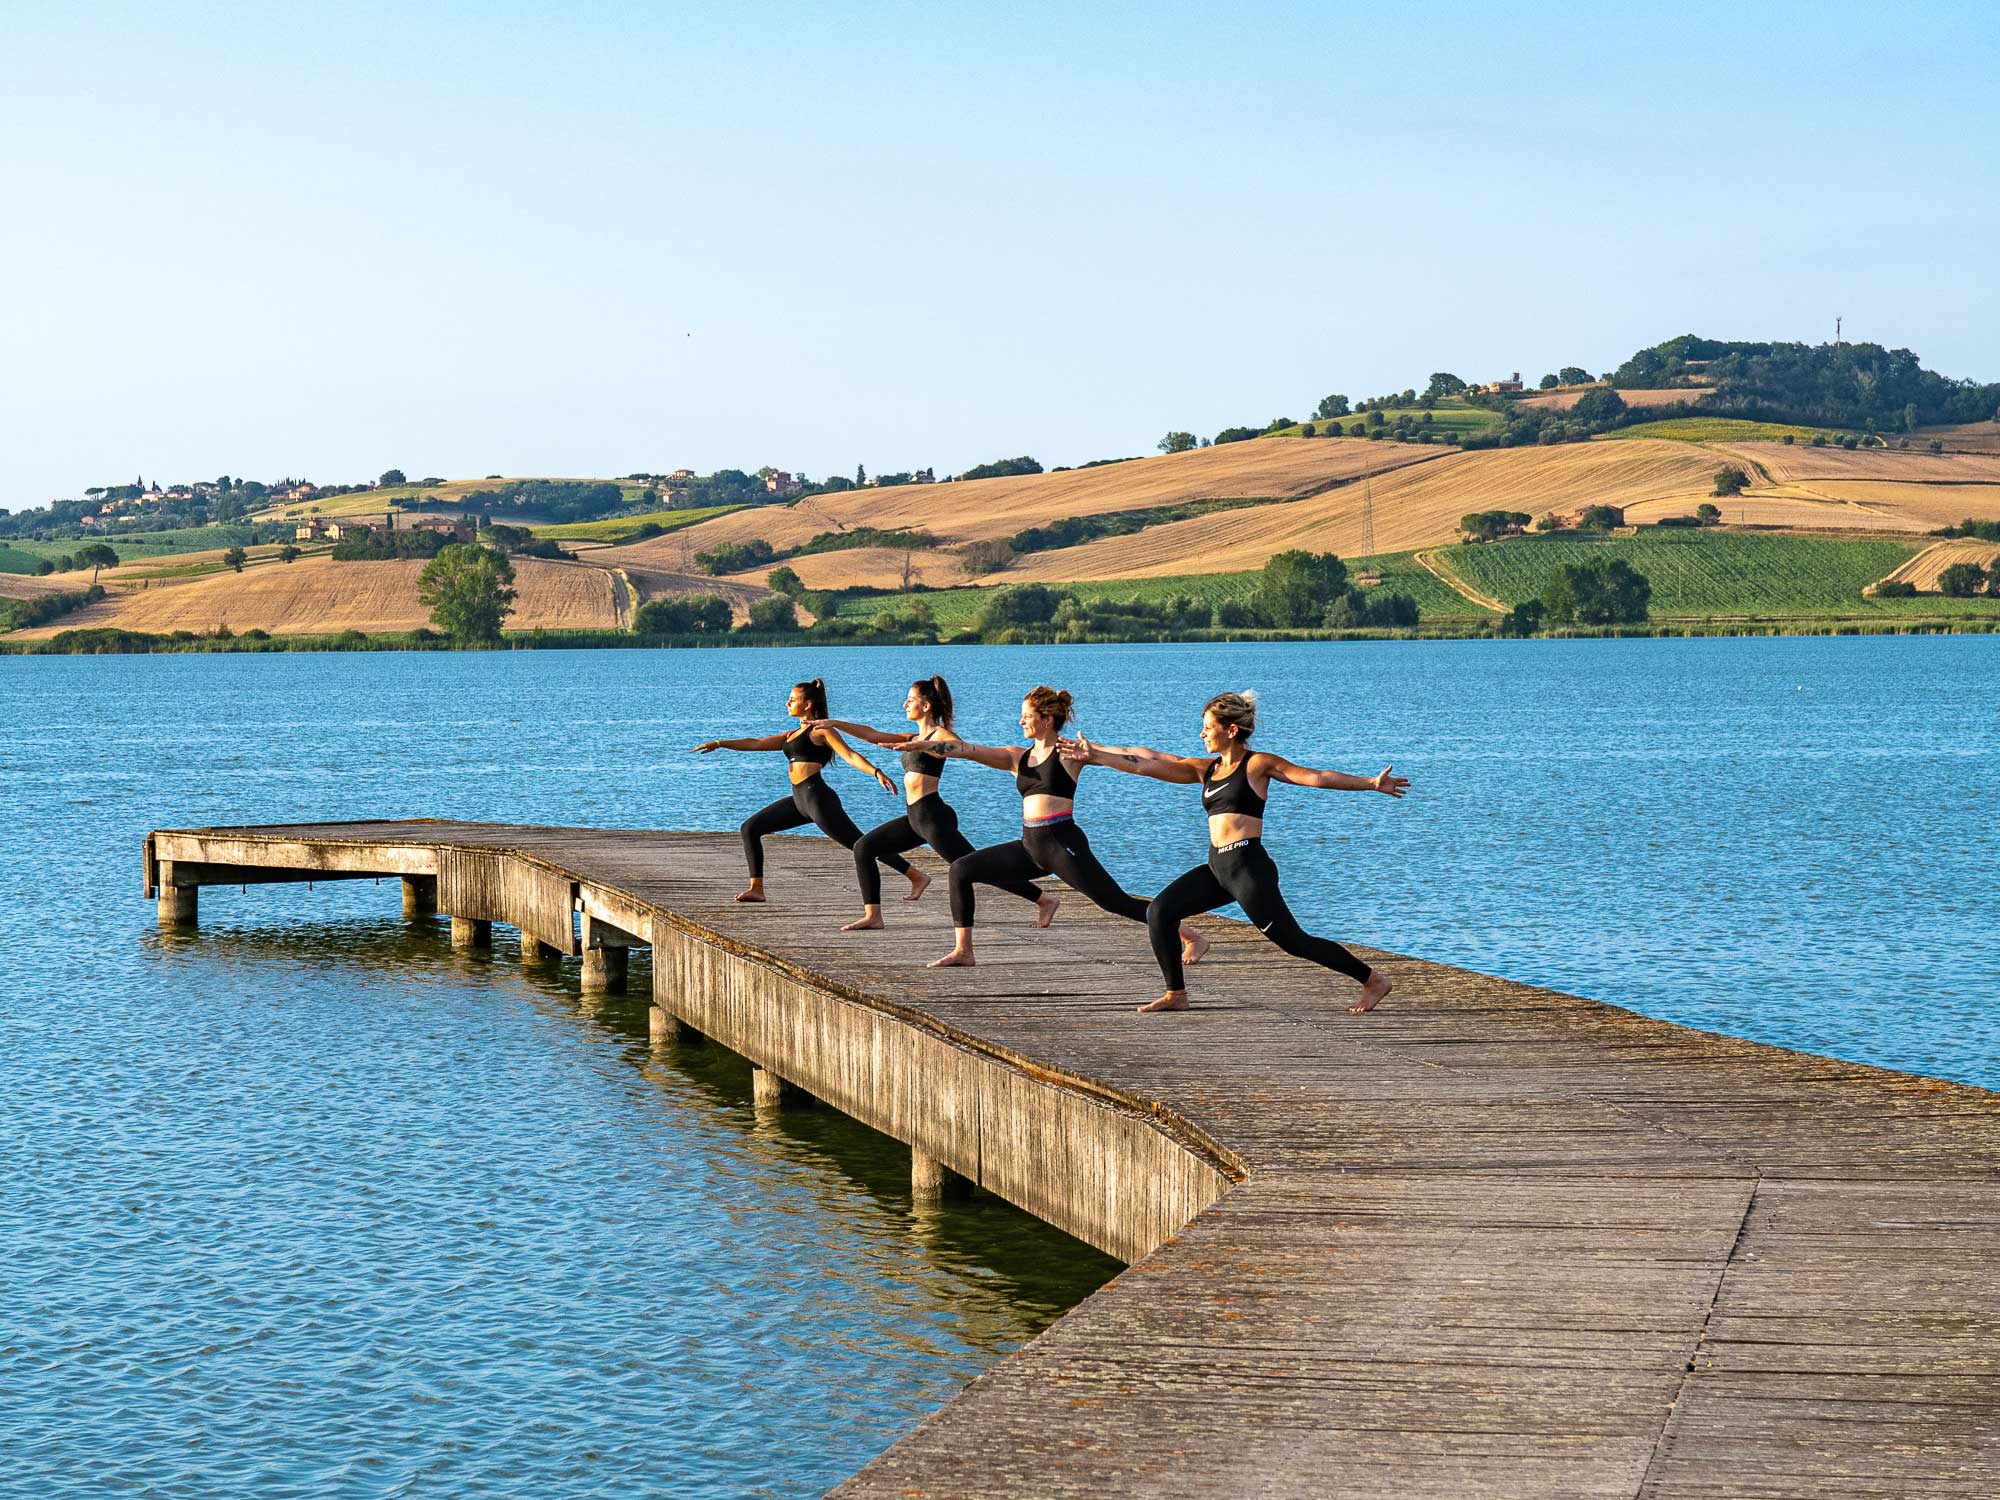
[(931, 1179), (1489, 1241), (470, 932), (420, 896)]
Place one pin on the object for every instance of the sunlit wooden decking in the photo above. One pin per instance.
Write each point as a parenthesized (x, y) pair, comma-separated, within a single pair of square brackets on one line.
[(1489, 1241)]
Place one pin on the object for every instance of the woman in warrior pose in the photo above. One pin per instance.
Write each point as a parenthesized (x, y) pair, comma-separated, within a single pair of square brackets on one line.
[(1050, 842), (807, 752), (1235, 781), (927, 817)]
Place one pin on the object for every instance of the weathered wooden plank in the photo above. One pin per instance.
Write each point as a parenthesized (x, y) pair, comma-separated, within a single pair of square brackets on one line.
[(1491, 1241)]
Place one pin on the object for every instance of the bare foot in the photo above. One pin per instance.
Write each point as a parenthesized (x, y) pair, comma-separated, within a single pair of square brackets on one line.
[(952, 960), (871, 922), (1045, 908), (753, 894), (919, 883), (1193, 948), (1373, 993), (1171, 1000)]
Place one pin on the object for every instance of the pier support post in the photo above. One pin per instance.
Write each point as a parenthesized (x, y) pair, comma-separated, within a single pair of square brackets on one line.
[(769, 1091), (467, 932), (931, 1179), (665, 1029), (604, 971), (178, 903), (534, 950), (420, 896)]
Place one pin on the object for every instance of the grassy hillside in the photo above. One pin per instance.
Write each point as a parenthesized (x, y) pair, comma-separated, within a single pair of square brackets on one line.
[(1713, 430), (1446, 416), (15, 560), (1718, 575), (449, 494), (626, 528)]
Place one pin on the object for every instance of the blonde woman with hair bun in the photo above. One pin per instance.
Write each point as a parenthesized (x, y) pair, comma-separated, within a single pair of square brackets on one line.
[(1235, 783)]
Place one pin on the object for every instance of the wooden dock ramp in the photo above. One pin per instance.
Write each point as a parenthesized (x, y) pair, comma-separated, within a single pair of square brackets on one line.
[(1489, 1241)]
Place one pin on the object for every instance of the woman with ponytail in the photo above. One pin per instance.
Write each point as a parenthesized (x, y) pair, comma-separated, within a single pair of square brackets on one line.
[(927, 817), (1235, 782), (808, 751), (1050, 842)]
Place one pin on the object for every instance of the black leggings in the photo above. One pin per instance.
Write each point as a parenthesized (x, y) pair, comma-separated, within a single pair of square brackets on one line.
[(928, 820), (812, 801), (1244, 873), (1055, 849)]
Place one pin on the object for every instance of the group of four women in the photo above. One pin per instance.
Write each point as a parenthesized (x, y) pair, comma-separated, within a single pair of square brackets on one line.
[(1235, 782)]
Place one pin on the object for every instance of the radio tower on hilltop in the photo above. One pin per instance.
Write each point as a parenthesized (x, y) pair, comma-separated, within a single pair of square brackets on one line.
[(1368, 518)]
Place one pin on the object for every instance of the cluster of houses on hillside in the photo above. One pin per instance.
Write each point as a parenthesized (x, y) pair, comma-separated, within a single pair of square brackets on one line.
[(334, 528)]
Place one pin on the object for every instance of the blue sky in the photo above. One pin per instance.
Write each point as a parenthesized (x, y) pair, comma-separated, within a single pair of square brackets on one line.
[(598, 238)]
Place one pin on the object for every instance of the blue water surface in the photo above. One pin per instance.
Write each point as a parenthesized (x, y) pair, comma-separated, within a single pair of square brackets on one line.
[(307, 1203)]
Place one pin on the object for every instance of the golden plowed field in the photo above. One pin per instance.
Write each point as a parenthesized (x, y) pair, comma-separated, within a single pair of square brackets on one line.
[(30, 586), (1414, 507), (1789, 506), (317, 596), (1795, 462), (1564, 400), (868, 567), (1978, 437), (656, 582), (1923, 569), (986, 508)]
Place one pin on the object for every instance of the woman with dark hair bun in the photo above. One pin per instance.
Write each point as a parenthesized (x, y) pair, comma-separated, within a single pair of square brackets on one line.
[(1050, 842), (808, 751), (1235, 784), (927, 817)]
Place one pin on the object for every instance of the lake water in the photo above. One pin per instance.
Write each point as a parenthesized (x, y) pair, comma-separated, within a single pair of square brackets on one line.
[(307, 1203)]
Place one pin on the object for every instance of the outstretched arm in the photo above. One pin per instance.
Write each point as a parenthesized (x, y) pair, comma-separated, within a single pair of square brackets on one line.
[(1000, 758), (832, 740), (1137, 759), (762, 742), (1277, 768), (860, 731)]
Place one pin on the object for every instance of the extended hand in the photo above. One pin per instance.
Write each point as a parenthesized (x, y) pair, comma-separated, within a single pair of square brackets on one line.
[(1077, 751), (1395, 786), (707, 745), (883, 777)]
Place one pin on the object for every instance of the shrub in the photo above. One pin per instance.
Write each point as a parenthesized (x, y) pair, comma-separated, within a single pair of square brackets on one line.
[(734, 557), (1937, 445), (1025, 604), (1819, 440), (1001, 467), (1899, 589), (1731, 481), (775, 612), (1961, 580), (1297, 586), (995, 556), (1687, 521), (1523, 619), (784, 581), (1235, 435), (1600, 517), (1708, 515), (1489, 525), (1597, 592), (1788, 439), (660, 617), (1234, 614)]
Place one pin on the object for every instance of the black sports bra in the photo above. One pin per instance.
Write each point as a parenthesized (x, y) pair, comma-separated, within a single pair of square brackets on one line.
[(1051, 778), (1232, 794), (923, 763), (800, 745)]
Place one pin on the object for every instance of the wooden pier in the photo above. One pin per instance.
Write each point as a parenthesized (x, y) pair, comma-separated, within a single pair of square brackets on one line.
[(1489, 1241)]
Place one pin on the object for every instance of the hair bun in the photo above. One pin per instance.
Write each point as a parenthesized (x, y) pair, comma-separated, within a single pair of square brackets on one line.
[(1249, 696)]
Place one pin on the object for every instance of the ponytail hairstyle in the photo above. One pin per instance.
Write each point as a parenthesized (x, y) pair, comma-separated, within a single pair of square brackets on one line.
[(935, 696), (1054, 704), (1236, 711), (815, 692)]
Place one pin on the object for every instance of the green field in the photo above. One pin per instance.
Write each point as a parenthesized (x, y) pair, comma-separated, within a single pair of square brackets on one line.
[(14, 560), (1720, 574), (134, 547), (625, 528), (956, 609), (1717, 430), (1446, 416)]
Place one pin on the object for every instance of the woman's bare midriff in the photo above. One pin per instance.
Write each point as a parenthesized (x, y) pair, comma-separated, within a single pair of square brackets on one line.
[(917, 786), (801, 770), (1227, 828), (1038, 805)]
